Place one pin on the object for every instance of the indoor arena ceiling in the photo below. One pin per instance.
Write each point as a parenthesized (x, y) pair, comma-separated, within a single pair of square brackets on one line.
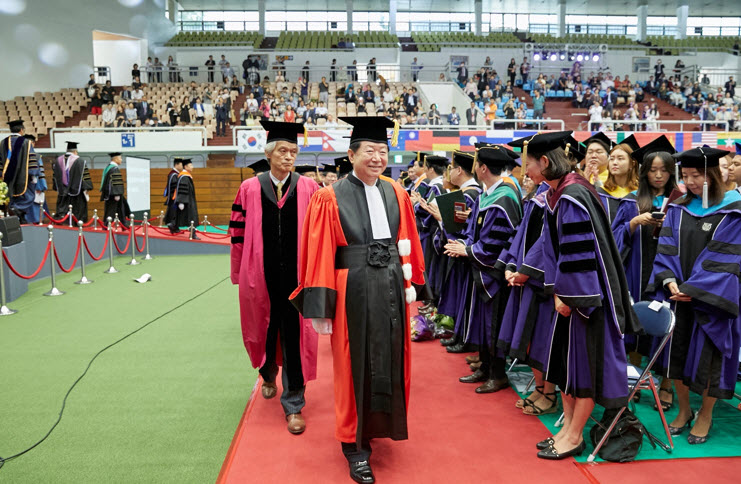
[(668, 8)]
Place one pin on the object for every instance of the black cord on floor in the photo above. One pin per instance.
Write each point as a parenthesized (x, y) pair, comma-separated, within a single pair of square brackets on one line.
[(3, 460)]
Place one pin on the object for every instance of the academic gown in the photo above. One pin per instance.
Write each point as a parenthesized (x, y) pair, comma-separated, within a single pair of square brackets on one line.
[(610, 203), (458, 272), (428, 227), (700, 249), (491, 225), (264, 266), (365, 287), (79, 182), (16, 155), (112, 186), (584, 269), (528, 318), (185, 193), (170, 186)]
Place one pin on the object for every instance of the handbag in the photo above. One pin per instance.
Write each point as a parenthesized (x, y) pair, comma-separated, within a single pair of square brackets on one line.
[(625, 439)]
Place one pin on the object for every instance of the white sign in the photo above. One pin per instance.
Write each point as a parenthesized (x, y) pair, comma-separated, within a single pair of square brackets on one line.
[(133, 140), (137, 183)]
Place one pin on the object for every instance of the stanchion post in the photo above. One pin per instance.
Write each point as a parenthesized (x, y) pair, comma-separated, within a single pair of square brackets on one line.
[(69, 212), (95, 219), (4, 310), (83, 279), (53, 291), (146, 237), (132, 228), (162, 218), (117, 222), (111, 269), (205, 222), (191, 230)]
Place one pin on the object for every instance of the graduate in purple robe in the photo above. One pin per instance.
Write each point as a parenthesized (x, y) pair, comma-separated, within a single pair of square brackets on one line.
[(492, 222), (621, 179), (697, 267), (584, 274)]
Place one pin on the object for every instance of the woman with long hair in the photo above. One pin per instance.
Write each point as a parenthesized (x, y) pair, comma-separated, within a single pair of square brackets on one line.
[(583, 274), (696, 267), (184, 111), (622, 178)]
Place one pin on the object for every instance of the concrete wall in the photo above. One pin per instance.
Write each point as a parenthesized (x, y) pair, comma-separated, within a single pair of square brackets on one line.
[(48, 44)]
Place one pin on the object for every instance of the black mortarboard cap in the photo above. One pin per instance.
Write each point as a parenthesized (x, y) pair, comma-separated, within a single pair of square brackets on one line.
[(186, 161), (494, 157), (700, 157), (420, 156), (343, 165), (369, 128), (278, 131), (631, 141), (661, 143), (260, 166), (304, 168), (411, 163), (600, 138), (434, 160), (14, 123), (329, 168), (574, 149), (541, 143), (30, 136), (113, 155), (71, 145), (464, 160)]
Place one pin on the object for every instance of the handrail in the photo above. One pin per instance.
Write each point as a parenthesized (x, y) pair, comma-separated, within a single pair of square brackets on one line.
[(203, 131), (659, 122)]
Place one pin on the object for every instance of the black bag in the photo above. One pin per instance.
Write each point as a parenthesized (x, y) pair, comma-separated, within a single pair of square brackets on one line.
[(626, 437)]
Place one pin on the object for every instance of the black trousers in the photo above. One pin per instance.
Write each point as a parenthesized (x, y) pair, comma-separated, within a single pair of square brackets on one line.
[(493, 366), (353, 453)]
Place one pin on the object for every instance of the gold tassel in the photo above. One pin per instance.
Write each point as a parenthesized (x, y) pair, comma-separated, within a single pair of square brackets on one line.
[(395, 135), (524, 150), (306, 136), (566, 150), (475, 160)]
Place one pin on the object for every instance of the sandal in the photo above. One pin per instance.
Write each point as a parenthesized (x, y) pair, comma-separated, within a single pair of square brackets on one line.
[(522, 402), (665, 405), (532, 409)]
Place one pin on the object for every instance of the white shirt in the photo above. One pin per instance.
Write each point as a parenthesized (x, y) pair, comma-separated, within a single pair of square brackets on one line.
[(377, 211), (437, 181), (468, 183), (491, 189), (276, 181)]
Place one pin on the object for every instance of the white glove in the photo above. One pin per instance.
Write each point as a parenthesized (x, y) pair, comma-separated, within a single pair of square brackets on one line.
[(34, 179), (181, 206), (322, 325), (117, 198), (87, 197)]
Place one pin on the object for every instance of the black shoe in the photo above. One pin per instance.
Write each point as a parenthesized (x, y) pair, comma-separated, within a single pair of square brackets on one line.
[(544, 444), (695, 440), (173, 228), (449, 341), (679, 430), (477, 377), (361, 472), (551, 454), (458, 348), (493, 385)]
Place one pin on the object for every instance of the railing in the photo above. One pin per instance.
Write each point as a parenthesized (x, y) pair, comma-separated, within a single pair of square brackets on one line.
[(717, 76), (186, 74), (140, 129), (361, 73), (657, 123)]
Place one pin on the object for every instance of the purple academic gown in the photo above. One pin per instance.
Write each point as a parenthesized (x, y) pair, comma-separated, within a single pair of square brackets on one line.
[(701, 251), (489, 231), (583, 268), (434, 260), (528, 318), (609, 202)]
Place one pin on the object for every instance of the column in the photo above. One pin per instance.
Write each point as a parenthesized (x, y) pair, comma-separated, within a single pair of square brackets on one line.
[(349, 6), (172, 10), (477, 16), (392, 16), (561, 18), (683, 11), (641, 16), (261, 17)]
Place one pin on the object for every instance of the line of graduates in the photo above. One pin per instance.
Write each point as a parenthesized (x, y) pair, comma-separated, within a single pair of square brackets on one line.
[(23, 173), (180, 197), (550, 278)]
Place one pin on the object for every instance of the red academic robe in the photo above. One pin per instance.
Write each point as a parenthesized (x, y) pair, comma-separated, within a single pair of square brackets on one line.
[(320, 281), (247, 270)]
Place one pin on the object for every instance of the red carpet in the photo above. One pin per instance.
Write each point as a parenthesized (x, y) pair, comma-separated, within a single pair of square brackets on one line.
[(455, 436)]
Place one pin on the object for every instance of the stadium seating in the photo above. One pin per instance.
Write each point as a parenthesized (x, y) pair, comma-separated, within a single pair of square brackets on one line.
[(43, 111), (694, 42), (212, 39), (432, 41), (329, 40), (582, 38)]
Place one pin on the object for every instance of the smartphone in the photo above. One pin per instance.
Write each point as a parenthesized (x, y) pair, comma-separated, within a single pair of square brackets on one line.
[(657, 214), (459, 206)]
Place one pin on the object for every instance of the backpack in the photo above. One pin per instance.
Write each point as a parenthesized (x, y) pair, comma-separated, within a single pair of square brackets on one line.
[(626, 437)]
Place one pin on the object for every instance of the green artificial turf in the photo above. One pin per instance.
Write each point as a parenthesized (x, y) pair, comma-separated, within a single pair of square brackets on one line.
[(161, 406)]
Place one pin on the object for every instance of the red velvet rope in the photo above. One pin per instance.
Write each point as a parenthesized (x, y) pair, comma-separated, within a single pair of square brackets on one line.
[(77, 254), (140, 221), (128, 242), (56, 221), (43, 261), (162, 232), (105, 244), (136, 244), (218, 228), (216, 236), (87, 224)]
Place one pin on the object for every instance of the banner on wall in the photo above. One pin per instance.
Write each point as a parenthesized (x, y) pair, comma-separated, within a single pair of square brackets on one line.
[(336, 140)]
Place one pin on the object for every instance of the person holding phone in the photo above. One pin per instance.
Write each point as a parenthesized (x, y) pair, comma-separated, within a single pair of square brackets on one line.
[(622, 177)]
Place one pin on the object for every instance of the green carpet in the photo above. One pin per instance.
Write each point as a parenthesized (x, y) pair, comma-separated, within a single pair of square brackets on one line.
[(723, 441), (160, 407)]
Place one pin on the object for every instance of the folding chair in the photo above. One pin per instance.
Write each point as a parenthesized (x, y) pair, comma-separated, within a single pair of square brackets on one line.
[(657, 321)]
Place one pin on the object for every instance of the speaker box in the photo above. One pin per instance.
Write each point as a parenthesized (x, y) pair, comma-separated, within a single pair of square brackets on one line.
[(10, 227)]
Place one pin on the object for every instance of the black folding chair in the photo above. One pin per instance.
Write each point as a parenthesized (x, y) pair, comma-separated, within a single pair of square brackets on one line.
[(658, 321)]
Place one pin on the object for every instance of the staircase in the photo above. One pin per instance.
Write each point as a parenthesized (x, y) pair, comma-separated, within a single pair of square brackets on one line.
[(228, 139), (74, 121)]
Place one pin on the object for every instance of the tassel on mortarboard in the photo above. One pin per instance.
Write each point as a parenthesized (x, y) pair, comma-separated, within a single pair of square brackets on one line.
[(705, 197), (524, 150), (306, 136), (395, 135), (566, 150)]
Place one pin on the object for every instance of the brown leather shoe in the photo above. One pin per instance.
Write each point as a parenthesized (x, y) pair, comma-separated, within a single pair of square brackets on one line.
[(296, 423), (269, 390), (475, 366), (472, 359), (492, 386)]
